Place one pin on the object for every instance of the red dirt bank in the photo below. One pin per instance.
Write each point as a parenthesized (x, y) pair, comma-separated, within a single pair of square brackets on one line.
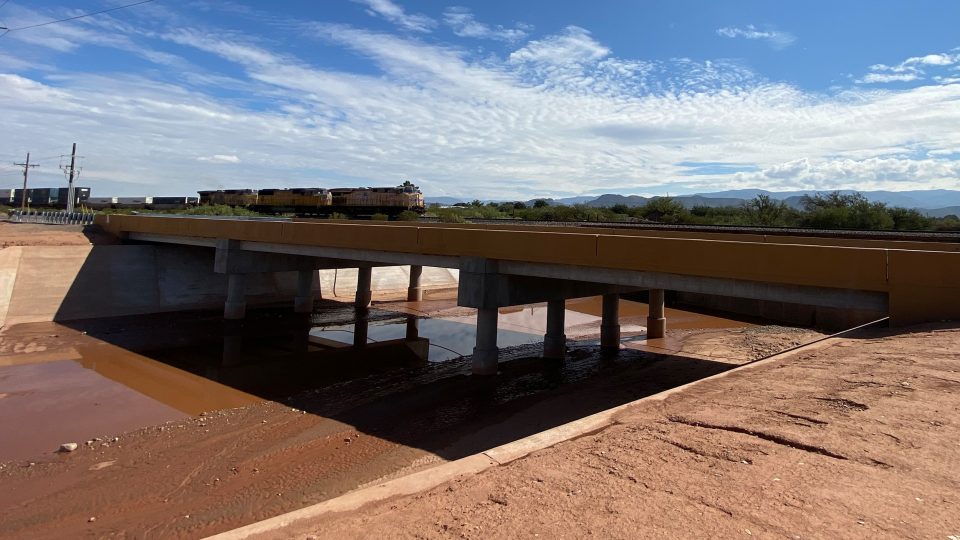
[(858, 439)]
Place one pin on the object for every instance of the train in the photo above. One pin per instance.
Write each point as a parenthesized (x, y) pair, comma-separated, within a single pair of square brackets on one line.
[(45, 197), (312, 201), (359, 201)]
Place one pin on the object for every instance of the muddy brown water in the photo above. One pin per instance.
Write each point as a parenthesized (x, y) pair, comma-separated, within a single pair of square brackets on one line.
[(96, 378)]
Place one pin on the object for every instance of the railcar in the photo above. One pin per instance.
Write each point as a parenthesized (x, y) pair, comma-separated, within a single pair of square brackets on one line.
[(381, 200), (229, 197), (172, 203), (360, 201), (303, 201), (49, 197)]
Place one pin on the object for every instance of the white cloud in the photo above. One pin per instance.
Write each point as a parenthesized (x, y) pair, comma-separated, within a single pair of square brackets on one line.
[(888, 77), (865, 174), (912, 69), (464, 24), (395, 14), (778, 40), (562, 114), (220, 158), (574, 46)]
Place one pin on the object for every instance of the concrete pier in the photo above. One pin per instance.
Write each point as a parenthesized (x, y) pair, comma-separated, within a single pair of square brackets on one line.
[(555, 341), (610, 324), (364, 296), (236, 305), (413, 327), (485, 354), (656, 322), (360, 329), (306, 279), (415, 290)]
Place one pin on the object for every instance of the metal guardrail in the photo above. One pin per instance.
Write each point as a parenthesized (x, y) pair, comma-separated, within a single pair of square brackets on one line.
[(52, 217)]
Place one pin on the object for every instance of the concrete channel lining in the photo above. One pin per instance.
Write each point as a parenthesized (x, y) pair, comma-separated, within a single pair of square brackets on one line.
[(421, 481)]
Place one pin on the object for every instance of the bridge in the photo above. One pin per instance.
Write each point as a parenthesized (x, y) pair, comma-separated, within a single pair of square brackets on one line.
[(505, 265)]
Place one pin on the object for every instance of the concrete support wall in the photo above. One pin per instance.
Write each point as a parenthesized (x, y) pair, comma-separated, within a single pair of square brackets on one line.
[(342, 283), (46, 283), (826, 318)]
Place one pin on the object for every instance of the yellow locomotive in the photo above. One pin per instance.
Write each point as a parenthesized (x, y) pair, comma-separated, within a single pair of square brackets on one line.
[(363, 201)]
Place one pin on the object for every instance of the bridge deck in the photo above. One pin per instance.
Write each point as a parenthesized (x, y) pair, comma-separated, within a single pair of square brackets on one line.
[(919, 278)]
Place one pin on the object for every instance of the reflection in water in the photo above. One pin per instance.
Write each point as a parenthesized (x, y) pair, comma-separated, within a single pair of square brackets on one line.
[(448, 339), (112, 375)]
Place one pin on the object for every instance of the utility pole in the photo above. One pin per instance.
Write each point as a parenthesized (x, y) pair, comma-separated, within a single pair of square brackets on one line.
[(73, 169), (26, 170)]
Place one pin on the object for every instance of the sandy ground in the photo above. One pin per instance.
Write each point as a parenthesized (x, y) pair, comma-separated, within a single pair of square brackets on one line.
[(202, 475), (860, 439), (35, 234)]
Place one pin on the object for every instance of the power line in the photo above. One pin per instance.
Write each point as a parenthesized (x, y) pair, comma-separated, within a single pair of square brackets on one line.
[(8, 30)]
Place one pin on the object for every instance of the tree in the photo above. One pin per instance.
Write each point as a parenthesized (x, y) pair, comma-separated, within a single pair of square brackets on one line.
[(763, 210), (540, 203), (663, 209)]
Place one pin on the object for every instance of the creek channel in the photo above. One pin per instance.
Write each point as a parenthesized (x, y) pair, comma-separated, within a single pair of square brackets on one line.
[(91, 379)]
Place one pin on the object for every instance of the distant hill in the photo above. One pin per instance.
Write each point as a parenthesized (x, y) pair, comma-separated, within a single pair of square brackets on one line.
[(942, 212), (688, 201), (929, 199), (934, 202), (444, 201)]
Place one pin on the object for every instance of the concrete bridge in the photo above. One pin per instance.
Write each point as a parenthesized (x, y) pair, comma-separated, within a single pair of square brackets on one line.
[(503, 265)]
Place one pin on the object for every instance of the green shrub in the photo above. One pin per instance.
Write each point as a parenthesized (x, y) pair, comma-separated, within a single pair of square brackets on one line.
[(379, 217), (408, 215)]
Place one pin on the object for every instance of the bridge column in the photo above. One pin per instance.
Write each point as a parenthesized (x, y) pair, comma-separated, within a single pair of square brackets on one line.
[(236, 305), (360, 329), (413, 327), (415, 291), (486, 354), (610, 324), (303, 303), (656, 322), (364, 278), (555, 341)]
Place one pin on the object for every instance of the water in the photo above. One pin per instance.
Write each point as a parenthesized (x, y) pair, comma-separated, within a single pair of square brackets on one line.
[(69, 383)]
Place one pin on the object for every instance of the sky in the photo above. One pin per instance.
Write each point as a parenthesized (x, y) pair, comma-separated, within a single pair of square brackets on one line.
[(493, 99)]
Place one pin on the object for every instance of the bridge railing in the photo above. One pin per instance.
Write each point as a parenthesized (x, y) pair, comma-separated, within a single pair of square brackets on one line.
[(52, 217)]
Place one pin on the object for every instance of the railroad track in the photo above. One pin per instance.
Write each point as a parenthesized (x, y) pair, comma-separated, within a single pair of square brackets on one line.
[(914, 236)]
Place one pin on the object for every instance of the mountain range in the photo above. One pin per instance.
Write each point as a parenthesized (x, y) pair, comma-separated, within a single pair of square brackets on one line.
[(933, 202)]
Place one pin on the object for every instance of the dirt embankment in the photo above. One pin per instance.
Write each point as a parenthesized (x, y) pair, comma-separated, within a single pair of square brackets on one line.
[(34, 234), (856, 440)]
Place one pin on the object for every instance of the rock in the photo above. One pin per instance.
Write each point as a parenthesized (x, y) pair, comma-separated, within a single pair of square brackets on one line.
[(91, 519), (68, 447)]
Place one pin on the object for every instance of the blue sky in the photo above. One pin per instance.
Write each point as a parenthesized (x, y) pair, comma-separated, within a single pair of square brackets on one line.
[(487, 99)]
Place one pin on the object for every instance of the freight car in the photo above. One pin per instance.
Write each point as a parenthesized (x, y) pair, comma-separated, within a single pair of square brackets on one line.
[(363, 201), (301, 201), (46, 197), (149, 203)]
